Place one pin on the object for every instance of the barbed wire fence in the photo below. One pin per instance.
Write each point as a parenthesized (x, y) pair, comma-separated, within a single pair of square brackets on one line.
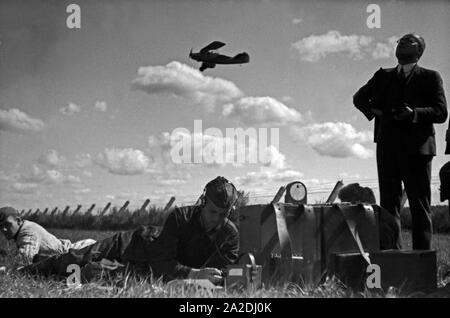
[(127, 214), (316, 193)]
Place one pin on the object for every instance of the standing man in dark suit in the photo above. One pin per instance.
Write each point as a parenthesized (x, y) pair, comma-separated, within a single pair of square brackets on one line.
[(405, 101)]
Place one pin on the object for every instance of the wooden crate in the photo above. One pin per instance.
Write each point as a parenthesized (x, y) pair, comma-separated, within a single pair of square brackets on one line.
[(408, 271)]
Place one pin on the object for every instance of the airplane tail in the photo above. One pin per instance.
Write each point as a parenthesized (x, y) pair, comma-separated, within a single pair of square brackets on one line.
[(243, 57)]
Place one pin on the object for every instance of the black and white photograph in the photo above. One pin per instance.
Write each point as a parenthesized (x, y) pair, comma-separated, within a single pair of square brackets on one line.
[(222, 154)]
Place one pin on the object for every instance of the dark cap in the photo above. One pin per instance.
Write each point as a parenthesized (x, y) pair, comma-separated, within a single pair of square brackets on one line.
[(6, 212), (221, 192)]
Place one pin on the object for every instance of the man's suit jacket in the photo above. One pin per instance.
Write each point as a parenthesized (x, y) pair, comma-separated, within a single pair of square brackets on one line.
[(423, 92)]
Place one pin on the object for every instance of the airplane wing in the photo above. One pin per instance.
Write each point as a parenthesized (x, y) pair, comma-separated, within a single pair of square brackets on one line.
[(212, 46)]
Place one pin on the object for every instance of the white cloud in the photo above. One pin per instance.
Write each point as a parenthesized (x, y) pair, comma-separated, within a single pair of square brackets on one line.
[(170, 182), (35, 176), (24, 188), (215, 147), (274, 158), (161, 140), (126, 196), (54, 176), (339, 140), (51, 158), (126, 161), (87, 173), (57, 177), (211, 148), (382, 51), (83, 161), (315, 47), (186, 82), (70, 109), (286, 99), (71, 179), (315, 185), (296, 21), (159, 147), (393, 40), (385, 50), (15, 120), (46, 177), (5, 176), (357, 47), (100, 106), (261, 110), (162, 192), (345, 175), (267, 176), (82, 191), (172, 176)]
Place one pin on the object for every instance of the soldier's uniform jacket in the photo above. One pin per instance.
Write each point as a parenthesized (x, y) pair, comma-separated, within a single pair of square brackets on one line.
[(32, 239), (184, 244)]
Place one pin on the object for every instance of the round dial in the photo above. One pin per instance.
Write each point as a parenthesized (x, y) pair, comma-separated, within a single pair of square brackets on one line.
[(297, 191)]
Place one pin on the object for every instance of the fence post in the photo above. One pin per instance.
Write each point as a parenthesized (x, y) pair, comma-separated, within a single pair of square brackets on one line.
[(279, 194), (144, 206), (35, 212), (77, 209), (123, 207), (335, 192), (66, 210), (89, 211), (105, 209), (54, 211), (169, 204), (45, 211)]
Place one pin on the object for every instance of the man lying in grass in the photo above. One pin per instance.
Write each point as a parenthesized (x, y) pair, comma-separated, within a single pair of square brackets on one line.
[(195, 242), (32, 240)]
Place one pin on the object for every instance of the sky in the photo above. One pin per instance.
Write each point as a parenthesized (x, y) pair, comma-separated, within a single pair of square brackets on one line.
[(94, 114)]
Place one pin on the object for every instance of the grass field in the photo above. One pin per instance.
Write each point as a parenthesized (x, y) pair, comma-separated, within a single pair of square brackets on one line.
[(18, 285)]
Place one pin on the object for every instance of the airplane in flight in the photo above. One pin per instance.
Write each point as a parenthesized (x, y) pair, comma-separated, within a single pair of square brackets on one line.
[(209, 57)]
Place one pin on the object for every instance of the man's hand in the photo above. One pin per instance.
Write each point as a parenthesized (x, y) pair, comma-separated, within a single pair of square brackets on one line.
[(213, 274), (404, 113), (376, 112)]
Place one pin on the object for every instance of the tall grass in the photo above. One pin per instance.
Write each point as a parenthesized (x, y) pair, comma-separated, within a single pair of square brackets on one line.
[(122, 285), (440, 216)]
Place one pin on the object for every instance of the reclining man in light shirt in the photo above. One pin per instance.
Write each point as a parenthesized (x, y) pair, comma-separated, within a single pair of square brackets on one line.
[(32, 240)]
